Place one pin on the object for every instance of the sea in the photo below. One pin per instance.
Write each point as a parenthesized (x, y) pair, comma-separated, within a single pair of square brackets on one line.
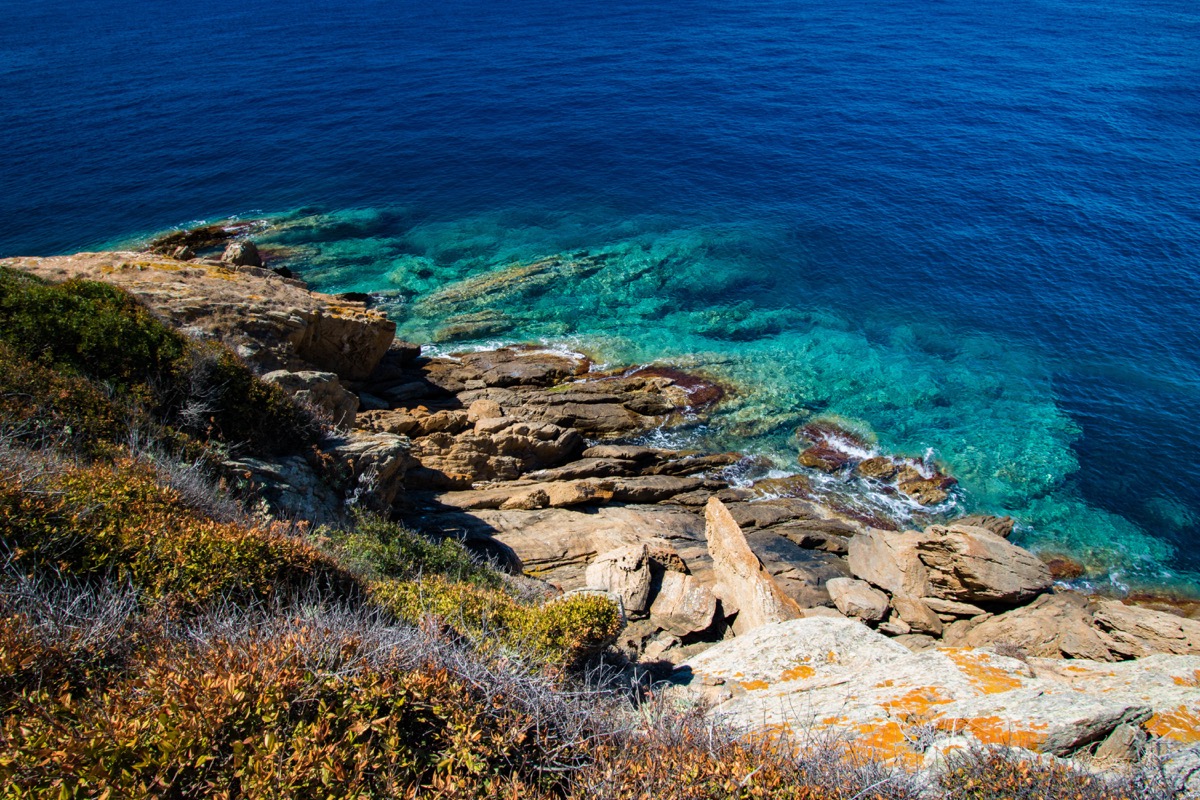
[(969, 232)]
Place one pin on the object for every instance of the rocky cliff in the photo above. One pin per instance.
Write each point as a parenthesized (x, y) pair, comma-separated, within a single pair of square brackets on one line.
[(757, 599)]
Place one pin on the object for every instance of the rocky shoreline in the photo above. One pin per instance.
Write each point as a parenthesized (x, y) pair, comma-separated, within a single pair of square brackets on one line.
[(753, 597)]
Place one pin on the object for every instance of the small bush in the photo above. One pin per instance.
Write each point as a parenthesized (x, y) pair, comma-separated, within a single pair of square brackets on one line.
[(117, 520), (1001, 774), (376, 548), (59, 338), (40, 405), (564, 632)]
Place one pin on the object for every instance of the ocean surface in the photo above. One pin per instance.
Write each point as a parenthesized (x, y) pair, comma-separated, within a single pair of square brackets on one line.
[(968, 230)]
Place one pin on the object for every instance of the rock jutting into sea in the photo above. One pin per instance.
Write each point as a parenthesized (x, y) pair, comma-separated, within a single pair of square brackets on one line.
[(755, 597)]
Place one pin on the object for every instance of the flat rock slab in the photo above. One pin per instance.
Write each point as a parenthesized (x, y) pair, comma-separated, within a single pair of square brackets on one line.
[(819, 673)]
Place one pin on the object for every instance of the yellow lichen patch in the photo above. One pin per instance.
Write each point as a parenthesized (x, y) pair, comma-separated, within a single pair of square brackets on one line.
[(751, 686), (1180, 725), (886, 741), (915, 705), (800, 673), (994, 730), (1192, 681), (983, 676)]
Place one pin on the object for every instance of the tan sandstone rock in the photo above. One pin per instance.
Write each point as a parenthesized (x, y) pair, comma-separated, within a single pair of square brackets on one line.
[(1142, 631), (683, 605), (321, 390), (958, 562), (857, 599), (272, 322), (626, 573), (744, 581)]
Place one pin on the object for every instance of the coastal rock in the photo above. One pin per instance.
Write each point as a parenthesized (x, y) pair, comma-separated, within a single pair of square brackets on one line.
[(878, 467), (974, 564), (1139, 632), (824, 458), (557, 544), (290, 488), (651, 488), (272, 322), (449, 460), (952, 563), (1001, 526), (242, 254), (857, 599), (375, 464), (683, 605), (824, 674), (321, 390), (926, 491), (743, 580), (626, 573), (1052, 626), (801, 573)]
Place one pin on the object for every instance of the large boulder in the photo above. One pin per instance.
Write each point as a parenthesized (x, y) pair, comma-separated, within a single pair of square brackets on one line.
[(557, 544), (857, 599), (242, 253), (626, 573), (976, 565), (1141, 632), (743, 582), (375, 466), (504, 452), (683, 605), (957, 562), (1052, 626)]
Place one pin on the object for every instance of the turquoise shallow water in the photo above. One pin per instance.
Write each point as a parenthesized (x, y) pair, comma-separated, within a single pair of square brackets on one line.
[(966, 228), (640, 289)]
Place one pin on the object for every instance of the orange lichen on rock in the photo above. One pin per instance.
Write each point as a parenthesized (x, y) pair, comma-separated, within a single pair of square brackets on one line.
[(752, 686), (995, 730), (799, 673), (885, 740), (1180, 725), (983, 676), (915, 705), (1193, 681)]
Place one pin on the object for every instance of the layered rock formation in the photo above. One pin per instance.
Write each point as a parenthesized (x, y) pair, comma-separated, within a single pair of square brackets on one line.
[(534, 459)]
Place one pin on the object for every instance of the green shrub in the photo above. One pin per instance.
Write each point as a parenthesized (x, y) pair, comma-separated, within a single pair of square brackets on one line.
[(40, 405), (87, 328), (143, 372), (117, 520), (563, 632), (376, 548)]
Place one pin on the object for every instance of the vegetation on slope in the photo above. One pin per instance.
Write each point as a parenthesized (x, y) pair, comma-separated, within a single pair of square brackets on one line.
[(156, 640)]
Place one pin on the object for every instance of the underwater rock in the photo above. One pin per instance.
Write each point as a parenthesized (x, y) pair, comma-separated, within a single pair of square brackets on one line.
[(824, 458), (878, 467)]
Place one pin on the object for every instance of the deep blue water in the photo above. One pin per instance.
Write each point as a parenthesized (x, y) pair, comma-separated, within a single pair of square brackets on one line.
[(967, 227)]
